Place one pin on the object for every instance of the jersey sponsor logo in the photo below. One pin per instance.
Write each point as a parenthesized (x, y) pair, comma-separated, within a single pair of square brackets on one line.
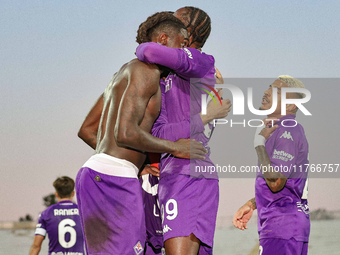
[(188, 52), (138, 248), (63, 212), (282, 155), (287, 135), (166, 229)]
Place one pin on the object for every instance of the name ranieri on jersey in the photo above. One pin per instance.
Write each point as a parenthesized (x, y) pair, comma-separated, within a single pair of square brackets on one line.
[(65, 212)]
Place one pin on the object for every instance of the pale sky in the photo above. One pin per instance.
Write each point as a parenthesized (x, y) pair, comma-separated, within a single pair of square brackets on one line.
[(58, 56)]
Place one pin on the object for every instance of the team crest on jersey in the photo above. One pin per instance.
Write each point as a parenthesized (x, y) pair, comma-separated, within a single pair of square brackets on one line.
[(168, 84), (138, 248), (287, 135)]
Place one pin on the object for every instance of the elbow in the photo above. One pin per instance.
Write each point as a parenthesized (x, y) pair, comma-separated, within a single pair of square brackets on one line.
[(85, 133), (124, 137), (81, 133)]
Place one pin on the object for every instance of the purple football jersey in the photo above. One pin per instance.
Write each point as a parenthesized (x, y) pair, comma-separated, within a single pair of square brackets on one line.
[(181, 102), (62, 224), (285, 214)]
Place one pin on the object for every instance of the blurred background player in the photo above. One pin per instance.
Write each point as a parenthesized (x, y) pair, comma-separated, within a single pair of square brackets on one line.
[(281, 187), (60, 222)]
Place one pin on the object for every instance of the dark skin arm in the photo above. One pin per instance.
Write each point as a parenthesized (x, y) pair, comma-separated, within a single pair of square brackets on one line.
[(89, 128), (143, 84), (275, 180)]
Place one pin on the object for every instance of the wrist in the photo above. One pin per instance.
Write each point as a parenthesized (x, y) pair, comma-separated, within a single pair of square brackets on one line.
[(172, 147), (205, 118), (259, 140), (252, 204)]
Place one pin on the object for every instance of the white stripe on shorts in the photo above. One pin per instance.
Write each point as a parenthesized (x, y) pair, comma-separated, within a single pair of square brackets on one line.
[(106, 164)]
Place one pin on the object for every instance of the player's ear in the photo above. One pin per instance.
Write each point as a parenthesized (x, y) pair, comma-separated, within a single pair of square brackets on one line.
[(56, 195), (72, 194), (162, 39)]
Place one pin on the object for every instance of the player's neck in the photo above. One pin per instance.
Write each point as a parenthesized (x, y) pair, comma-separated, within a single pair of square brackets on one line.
[(278, 116), (65, 199)]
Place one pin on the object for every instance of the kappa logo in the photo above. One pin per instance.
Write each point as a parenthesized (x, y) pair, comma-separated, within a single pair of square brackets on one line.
[(188, 53), (138, 248), (287, 135), (166, 229)]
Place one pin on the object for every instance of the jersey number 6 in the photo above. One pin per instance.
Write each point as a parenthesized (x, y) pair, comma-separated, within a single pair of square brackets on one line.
[(66, 226)]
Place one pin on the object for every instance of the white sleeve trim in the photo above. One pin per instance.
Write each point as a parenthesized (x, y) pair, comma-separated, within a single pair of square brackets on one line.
[(40, 231)]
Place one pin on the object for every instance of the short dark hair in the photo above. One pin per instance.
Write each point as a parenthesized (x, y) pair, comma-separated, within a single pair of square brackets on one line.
[(157, 23), (64, 186), (200, 23)]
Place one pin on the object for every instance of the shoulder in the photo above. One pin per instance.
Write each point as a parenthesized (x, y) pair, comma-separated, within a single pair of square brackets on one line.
[(137, 65), (45, 214), (293, 133)]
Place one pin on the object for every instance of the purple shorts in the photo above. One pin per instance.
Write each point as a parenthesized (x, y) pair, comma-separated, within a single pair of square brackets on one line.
[(189, 205), (110, 207), (277, 246)]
